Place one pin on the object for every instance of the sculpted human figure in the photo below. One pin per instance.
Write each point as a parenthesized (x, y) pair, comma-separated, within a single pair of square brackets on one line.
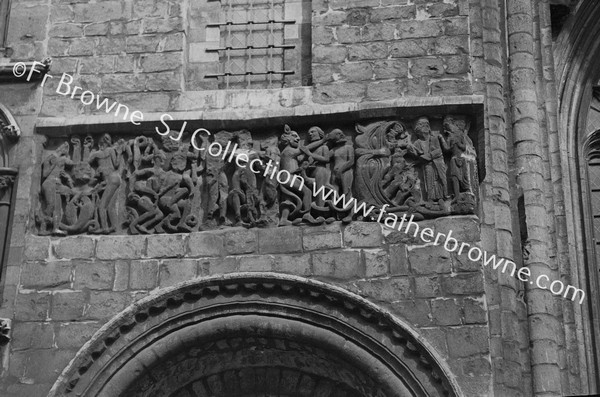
[(144, 196), (296, 194), (400, 181), (55, 182), (319, 161), (244, 190), (430, 148), (458, 141), (108, 175), (178, 186), (217, 185), (343, 162)]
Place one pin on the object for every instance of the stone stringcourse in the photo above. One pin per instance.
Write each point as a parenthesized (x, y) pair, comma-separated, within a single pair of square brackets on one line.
[(151, 318), (146, 184)]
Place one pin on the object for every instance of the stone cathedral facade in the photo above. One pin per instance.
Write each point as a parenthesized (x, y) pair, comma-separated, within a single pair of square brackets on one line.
[(160, 234)]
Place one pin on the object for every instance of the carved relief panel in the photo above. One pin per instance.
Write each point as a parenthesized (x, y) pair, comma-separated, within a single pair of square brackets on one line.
[(304, 173)]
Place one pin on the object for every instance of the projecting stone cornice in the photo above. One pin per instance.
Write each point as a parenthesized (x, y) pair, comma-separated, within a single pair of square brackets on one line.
[(248, 108)]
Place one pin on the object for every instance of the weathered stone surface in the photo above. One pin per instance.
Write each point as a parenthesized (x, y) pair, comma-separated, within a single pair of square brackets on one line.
[(446, 312), (95, 12), (398, 260), (463, 228), (113, 83), (121, 275), (46, 275), (293, 264), (410, 48), (339, 264), (36, 248), (375, 51), (390, 68), (210, 266), (377, 263), (385, 290), (94, 275), (32, 335), (104, 304), (68, 306), (143, 274), (356, 71), (437, 338), (75, 248), (474, 311), (32, 306), (430, 260), (280, 240), (205, 244), (427, 67), (336, 93), (464, 284), (329, 54), (467, 341), (416, 311), (120, 247), (427, 287), (166, 246), (399, 12), (362, 234), (160, 62), (74, 335), (256, 263), (173, 271), (240, 241), (322, 237)]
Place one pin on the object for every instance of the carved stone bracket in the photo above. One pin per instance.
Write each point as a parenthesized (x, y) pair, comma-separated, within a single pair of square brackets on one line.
[(425, 166)]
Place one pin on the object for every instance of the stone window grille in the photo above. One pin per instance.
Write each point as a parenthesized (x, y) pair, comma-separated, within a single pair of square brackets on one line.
[(255, 49)]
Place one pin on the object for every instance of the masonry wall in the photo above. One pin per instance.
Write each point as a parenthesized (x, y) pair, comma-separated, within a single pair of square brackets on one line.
[(69, 287)]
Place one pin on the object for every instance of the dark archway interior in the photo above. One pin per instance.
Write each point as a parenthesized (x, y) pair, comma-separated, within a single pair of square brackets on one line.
[(251, 364)]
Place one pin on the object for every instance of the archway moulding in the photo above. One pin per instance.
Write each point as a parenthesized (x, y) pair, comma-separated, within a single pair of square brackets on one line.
[(317, 312), (577, 54)]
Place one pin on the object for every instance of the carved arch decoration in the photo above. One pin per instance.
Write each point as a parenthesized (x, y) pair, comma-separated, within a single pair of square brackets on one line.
[(577, 55), (303, 336)]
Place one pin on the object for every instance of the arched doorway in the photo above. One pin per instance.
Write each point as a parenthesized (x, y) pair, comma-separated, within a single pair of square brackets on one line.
[(255, 334)]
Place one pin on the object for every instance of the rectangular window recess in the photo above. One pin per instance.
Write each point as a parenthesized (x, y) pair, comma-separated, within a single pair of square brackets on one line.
[(252, 47), (217, 75), (230, 23)]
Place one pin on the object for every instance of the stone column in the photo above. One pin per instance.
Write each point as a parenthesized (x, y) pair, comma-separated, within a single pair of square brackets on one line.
[(542, 316)]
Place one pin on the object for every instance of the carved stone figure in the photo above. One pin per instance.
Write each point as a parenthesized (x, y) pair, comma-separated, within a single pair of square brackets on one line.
[(430, 148), (343, 166), (458, 141), (244, 192), (56, 183), (148, 184), (217, 184), (108, 176), (269, 207), (296, 197)]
